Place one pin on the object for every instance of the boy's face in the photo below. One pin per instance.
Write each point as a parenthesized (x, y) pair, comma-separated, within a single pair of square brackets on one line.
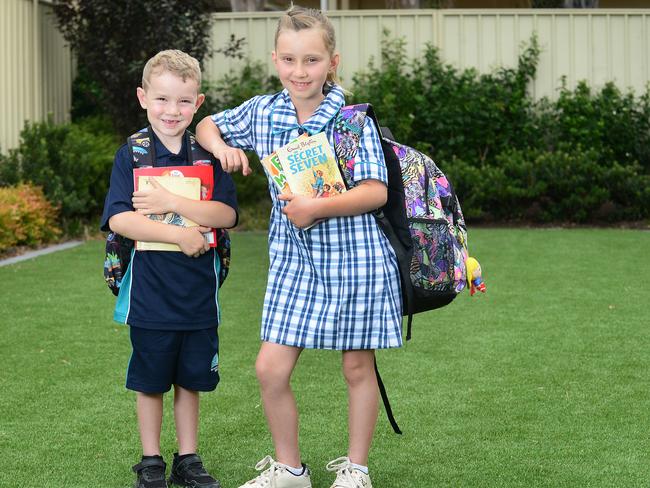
[(170, 103)]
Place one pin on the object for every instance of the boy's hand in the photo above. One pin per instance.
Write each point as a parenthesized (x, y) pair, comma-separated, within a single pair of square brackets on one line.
[(232, 159), (192, 242), (300, 210), (154, 201)]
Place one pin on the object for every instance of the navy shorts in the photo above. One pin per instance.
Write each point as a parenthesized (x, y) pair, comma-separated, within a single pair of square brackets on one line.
[(162, 358)]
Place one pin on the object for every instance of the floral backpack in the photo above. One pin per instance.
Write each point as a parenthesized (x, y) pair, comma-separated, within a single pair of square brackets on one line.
[(119, 248), (422, 220)]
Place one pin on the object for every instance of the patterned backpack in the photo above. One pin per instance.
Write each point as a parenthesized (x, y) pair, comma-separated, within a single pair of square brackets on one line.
[(119, 248), (422, 218)]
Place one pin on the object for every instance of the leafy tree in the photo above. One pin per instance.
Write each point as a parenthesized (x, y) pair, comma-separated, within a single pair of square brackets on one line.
[(114, 38)]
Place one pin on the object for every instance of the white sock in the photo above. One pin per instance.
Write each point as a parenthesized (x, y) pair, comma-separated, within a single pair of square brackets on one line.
[(363, 469), (296, 471)]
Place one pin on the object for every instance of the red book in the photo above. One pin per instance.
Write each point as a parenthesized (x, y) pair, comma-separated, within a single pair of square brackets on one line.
[(203, 172)]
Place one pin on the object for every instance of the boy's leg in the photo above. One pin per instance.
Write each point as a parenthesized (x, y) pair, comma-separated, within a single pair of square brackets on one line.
[(186, 416), (363, 402), (150, 413), (274, 365)]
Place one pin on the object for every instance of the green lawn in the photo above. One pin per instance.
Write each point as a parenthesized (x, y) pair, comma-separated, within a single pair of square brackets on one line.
[(542, 382)]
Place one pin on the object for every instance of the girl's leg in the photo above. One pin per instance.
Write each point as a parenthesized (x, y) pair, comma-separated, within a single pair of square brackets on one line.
[(150, 412), (186, 416), (274, 366), (363, 402)]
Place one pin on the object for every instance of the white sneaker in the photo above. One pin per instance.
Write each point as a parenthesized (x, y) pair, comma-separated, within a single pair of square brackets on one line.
[(348, 476), (276, 475)]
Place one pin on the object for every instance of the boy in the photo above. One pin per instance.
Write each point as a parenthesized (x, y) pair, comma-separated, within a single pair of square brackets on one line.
[(169, 299)]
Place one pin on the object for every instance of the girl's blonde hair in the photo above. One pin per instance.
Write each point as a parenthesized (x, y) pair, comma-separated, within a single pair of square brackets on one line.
[(176, 62), (299, 18)]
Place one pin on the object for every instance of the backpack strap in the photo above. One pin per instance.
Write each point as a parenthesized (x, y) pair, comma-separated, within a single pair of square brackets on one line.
[(347, 134), (142, 148)]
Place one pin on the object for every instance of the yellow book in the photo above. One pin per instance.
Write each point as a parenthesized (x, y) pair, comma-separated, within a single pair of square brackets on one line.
[(310, 168), (179, 185)]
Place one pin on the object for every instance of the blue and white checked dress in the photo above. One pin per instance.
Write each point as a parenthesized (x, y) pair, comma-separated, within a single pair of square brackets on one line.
[(336, 285)]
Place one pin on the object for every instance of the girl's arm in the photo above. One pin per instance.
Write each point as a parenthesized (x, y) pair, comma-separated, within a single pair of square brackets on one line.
[(303, 211), (141, 228), (232, 159), (204, 212)]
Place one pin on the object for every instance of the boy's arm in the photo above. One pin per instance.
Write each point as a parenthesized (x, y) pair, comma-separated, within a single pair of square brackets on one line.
[(139, 227), (232, 159), (209, 213)]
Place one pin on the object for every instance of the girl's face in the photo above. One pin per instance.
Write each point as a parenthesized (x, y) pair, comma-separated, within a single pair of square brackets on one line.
[(303, 62)]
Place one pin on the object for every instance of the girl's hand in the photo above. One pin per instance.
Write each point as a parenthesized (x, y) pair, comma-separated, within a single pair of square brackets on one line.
[(232, 159), (301, 211), (154, 201), (192, 242)]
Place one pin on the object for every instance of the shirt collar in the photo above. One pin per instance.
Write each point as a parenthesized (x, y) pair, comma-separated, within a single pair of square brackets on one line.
[(163, 154), (283, 113)]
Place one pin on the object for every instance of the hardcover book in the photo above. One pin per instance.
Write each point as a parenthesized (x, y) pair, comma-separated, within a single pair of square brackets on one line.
[(193, 182)]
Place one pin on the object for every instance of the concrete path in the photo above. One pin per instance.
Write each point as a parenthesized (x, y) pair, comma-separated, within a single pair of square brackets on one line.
[(39, 252)]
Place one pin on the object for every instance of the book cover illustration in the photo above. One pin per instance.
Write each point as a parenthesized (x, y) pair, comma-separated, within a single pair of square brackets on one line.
[(310, 167), (273, 168), (194, 182)]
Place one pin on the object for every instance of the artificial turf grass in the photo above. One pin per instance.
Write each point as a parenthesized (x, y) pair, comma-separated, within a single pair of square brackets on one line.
[(540, 382)]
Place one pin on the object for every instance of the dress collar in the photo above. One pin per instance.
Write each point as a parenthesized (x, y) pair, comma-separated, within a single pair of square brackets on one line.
[(284, 118)]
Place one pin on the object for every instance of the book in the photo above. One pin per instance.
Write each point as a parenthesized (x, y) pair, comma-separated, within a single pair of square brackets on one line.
[(309, 166), (274, 170), (194, 182)]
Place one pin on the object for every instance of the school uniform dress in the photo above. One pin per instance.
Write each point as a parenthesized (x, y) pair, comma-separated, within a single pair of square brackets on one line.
[(336, 285)]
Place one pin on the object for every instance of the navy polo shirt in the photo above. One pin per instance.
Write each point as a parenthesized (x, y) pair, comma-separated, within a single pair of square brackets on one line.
[(166, 290)]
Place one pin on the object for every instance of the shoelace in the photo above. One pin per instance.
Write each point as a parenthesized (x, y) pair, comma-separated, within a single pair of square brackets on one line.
[(343, 469), (268, 476)]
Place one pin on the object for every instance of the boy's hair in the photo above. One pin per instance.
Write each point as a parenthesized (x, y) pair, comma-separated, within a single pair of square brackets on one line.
[(176, 62), (299, 18)]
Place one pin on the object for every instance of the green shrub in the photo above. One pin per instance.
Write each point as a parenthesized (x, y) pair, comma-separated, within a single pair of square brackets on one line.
[(71, 162), (450, 113), (27, 218), (566, 185), (583, 157), (616, 125)]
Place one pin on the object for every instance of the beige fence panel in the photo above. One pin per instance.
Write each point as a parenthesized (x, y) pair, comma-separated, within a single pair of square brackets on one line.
[(36, 68), (595, 45)]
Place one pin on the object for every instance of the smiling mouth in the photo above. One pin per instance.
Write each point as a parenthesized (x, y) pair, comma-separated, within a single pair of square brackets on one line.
[(301, 84)]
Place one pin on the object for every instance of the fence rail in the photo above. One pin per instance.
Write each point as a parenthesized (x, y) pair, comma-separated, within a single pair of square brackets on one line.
[(595, 45)]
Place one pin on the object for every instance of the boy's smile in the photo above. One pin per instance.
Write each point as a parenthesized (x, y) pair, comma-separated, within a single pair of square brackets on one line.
[(170, 103), (303, 62)]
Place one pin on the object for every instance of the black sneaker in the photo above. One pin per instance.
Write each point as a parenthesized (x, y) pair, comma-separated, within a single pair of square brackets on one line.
[(151, 472), (189, 471)]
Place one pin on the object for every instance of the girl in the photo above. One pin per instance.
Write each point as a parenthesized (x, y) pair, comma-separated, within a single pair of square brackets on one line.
[(334, 286)]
